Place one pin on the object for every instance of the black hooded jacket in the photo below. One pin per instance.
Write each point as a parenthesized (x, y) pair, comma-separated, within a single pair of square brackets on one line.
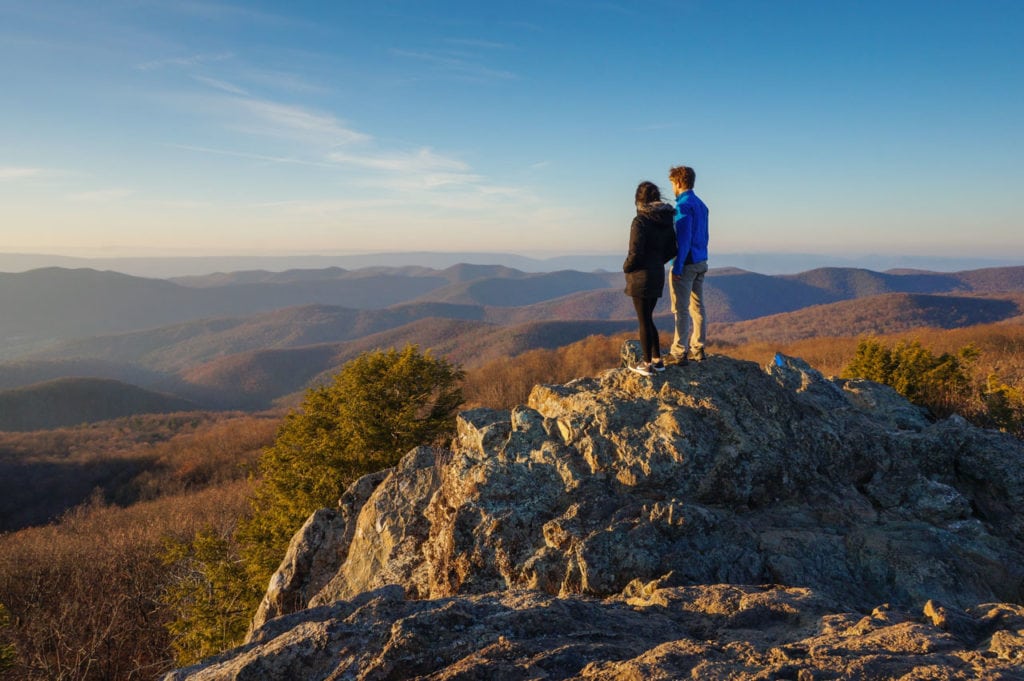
[(652, 243)]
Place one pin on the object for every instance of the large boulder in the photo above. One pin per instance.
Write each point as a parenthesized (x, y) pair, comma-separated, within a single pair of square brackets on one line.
[(833, 496)]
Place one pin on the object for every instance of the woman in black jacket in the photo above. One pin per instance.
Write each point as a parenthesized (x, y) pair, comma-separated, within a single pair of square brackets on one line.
[(652, 243)]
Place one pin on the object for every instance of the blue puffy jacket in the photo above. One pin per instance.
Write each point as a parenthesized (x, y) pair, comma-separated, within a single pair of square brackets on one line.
[(691, 230)]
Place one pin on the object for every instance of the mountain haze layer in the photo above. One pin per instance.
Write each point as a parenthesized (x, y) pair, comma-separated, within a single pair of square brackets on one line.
[(47, 306), (288, 330), (769, 263)]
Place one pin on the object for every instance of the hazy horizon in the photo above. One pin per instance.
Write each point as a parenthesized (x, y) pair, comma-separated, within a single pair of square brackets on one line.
[(167, 266)]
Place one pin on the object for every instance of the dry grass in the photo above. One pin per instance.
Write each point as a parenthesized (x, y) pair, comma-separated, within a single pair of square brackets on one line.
[(83, 593), (45, 473), (504, 383), (1001, 347)]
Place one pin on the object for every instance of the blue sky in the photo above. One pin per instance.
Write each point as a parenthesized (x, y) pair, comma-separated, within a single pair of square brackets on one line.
[(158, 127)]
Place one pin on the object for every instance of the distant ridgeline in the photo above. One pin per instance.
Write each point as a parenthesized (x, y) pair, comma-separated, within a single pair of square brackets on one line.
[(248, 339), (770, 263)]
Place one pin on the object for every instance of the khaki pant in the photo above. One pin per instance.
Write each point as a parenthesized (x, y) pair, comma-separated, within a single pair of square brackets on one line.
[(688, 304)]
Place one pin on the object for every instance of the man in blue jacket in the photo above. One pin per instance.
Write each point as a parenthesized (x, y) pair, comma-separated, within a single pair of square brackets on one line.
[(687, 281)]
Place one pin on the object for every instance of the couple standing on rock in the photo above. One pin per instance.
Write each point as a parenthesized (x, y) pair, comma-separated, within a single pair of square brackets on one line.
[(659, 233)]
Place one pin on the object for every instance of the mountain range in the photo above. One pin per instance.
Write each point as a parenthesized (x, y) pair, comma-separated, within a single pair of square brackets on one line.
[(54, 304), (247, 339), (771, 263)]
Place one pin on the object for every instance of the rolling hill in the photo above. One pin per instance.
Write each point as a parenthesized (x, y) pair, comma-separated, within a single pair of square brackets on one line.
[(885, 313), (46, 306), (733, 296), (517, 291), (994, 279), (469, 313), (52, 305), (256, 379), (843, 283), (43, 307), (22, 373), (180, 346), (454, 274), (70, 401)]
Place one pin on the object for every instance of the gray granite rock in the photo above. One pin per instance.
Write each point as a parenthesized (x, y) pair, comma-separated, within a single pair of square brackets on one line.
[(613, 527)]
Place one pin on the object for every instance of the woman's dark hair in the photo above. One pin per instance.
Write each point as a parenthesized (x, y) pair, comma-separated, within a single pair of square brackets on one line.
[(647, 192)]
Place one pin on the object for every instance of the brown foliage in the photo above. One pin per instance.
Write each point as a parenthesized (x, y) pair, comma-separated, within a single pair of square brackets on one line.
[(44, 473), (83, 593), (506, 382), (882, 314), (999, 365), (1001, 348)]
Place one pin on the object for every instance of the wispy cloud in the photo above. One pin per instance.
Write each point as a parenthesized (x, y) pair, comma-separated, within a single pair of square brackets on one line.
[(458, 191), (285, 120), (9, 173), (377, 171), (184, 62), (422, 170), (254, 157), (420, 161), (282, 80), (101, 195), (221, 85), (456, 65), (431, 181)]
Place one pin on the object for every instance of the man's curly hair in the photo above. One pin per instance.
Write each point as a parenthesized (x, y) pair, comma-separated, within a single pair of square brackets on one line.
[(683, 176)]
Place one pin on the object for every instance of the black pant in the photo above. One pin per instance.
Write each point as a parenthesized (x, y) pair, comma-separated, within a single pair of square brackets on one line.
[(649, 340)]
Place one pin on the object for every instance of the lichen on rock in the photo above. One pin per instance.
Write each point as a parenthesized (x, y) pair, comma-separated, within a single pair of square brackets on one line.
[(655, 507)]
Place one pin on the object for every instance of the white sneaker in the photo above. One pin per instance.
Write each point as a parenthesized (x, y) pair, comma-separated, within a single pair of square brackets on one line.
[(643, 368)]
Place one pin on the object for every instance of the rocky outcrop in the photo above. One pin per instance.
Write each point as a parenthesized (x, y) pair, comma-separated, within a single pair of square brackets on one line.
[(718, 520), (649, 632)]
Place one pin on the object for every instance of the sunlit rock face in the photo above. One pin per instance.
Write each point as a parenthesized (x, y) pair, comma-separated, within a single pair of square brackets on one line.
[(719, 520)]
